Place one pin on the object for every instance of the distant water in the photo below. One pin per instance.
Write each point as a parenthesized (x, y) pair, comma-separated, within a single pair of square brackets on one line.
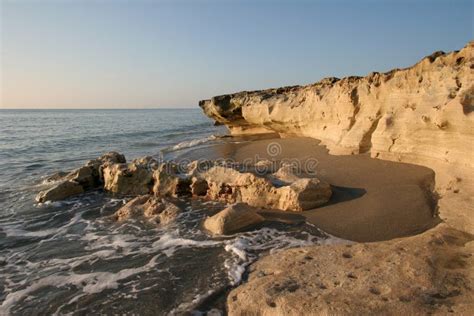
[(71, 257)]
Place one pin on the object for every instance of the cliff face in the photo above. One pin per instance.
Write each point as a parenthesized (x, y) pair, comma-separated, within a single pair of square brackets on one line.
[(423, 114)]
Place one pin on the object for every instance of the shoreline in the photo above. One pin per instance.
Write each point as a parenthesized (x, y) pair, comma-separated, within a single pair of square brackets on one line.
[(373, 200)]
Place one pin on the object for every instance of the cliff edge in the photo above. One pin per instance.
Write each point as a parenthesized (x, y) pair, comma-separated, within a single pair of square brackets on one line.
[(423, 114)]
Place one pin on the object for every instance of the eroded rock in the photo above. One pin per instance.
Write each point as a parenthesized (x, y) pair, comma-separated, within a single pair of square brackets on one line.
[(79, 180), (293, 194), (233, 219), (60, 191), (134, 178), (422, 114), (150, 207), (168, 181)]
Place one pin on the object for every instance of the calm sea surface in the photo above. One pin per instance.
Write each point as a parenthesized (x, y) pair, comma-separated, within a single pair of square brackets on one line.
[(72, 257)]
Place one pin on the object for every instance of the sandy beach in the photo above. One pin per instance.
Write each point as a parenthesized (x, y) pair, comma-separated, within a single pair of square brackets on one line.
[(372, 200)]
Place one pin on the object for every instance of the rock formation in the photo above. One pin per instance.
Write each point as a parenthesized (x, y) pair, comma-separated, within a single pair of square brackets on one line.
[(423, 114), (78, 181), (134, 178), (233, 219), (287, 189), (150, 207), (231, 186), (424, 274)]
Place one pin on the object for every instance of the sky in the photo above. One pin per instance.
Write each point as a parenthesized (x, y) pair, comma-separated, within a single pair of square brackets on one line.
[(167, 54)]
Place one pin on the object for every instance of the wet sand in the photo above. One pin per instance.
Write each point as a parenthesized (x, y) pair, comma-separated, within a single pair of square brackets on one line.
[(372, 200)]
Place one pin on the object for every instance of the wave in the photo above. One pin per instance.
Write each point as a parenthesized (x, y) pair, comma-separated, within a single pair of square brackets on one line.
[(189, 143)]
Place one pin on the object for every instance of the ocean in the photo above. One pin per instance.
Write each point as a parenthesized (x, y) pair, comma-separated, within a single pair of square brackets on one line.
[(72, 257)]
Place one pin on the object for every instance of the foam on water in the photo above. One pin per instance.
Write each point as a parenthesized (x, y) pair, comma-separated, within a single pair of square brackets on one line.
[(191, 143), (104, 243)]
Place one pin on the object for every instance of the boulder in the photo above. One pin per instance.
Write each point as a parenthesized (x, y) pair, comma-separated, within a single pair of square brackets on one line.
[(150, 207), (60, 191), (135, 178), (292, 194), (304, 194), (233, 219)]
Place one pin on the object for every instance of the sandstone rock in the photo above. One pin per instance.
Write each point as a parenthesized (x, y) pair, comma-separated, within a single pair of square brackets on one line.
[(134, 178), (233, 219), (287, 173), (86, 177), (422, 114), (132, 208), (229, 185), (304, 194), (112, 157), (198, 166), (151, 207), (60, 191), (169, 182), (58, 176), (429, 273)]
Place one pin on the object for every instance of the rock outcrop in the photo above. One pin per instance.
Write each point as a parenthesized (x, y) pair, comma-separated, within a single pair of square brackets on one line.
[(233, 219), (423, 114), (425, 274), (134, 178), (78, 181), (286, 189), (231, 186), (153, 208)]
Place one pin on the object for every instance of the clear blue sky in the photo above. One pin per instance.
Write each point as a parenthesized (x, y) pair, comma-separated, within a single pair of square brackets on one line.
[(135, 54)]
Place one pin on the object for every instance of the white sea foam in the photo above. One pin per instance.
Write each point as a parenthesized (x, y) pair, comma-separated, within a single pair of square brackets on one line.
[(90, 283), (169, 243), (101, 240), (190, 143)]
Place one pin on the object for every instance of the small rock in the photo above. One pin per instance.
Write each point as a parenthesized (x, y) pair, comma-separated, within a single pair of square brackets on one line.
[(374, 290)]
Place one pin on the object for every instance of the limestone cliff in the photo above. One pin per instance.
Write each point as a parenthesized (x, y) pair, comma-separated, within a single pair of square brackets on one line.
[(423, 114)]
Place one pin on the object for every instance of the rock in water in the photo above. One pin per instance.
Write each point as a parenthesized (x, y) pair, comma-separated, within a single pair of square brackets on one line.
[(77, 181), (151, 207), (233, 219), (60, 191), (135, 178)]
